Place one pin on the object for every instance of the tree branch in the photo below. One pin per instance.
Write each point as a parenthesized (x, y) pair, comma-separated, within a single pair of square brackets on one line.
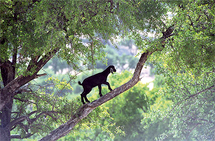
[(193, 95), (84, 110), (15, 84), (20, 137), (14, 59), (30, 121)]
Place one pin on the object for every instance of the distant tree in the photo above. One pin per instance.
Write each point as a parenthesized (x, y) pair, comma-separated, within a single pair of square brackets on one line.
[(188, 74), (57, 64)]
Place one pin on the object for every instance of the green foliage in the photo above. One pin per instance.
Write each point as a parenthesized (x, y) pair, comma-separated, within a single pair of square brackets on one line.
[(180, 107), (45, 111), (193, 98), (193, 44), (126, 111), (40, 27), (184, 107), (187, 64)]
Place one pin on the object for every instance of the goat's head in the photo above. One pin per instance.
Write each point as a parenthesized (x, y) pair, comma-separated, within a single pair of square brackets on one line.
[(112, 69)]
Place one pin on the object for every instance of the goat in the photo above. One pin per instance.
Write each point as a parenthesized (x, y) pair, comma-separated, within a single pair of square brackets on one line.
[(96, 80)]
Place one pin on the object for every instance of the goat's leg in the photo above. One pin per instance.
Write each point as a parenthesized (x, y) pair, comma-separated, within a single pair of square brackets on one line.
[(84, 94), (86, 99), (106, 83), (82, 98), (100, 90)]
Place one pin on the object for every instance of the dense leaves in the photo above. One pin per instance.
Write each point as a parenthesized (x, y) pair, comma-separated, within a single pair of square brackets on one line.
[(32, 32), (187, 64)]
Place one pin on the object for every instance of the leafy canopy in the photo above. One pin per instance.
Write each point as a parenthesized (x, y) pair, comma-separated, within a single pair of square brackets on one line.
[(33, 31)]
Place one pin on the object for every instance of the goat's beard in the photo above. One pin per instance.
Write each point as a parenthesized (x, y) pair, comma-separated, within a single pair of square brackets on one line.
[(111, 70)]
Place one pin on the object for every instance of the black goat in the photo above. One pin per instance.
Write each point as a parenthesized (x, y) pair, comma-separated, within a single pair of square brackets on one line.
[(96, 80)]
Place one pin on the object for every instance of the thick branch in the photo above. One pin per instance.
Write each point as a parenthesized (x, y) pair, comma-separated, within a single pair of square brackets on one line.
[(21, 119), (84, 110), (87, 108), (22, 80), (20, 137)]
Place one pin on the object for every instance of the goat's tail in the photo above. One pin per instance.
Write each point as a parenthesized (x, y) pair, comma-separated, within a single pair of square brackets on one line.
[(79, 83)]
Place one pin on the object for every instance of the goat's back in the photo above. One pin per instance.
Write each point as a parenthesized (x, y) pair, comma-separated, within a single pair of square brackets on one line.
[(95, 80)]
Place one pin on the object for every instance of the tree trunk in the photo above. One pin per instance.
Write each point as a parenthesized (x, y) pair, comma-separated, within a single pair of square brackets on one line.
[(8, 74), (4, 134)]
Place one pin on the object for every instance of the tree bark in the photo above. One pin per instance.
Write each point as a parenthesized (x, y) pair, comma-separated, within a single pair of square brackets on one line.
[(8, 74), (4, 134)]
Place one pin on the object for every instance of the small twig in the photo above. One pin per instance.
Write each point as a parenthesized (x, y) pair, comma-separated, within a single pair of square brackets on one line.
[(199, 92)]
